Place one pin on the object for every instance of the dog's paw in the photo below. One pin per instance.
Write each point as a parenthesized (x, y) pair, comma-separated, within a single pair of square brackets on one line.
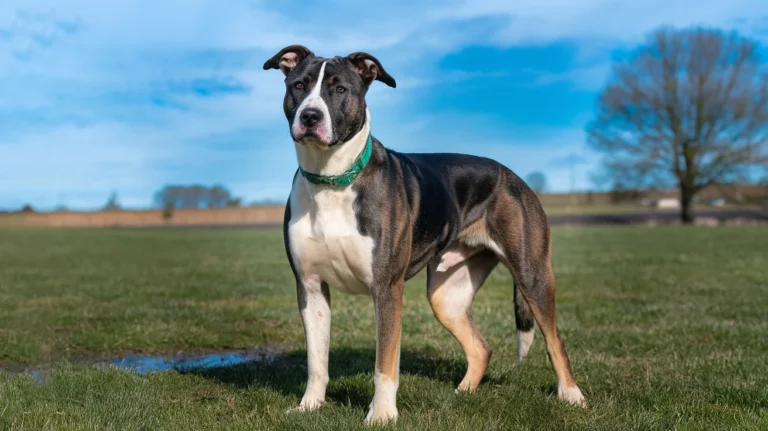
[(307, 405), (381, 414), (465, 387), (572, 395)]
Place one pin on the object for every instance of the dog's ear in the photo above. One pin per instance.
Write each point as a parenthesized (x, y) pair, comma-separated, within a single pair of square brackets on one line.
[(288, 58), (370, 68)]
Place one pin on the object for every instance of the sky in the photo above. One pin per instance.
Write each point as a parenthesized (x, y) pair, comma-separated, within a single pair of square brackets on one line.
[(126, 96)]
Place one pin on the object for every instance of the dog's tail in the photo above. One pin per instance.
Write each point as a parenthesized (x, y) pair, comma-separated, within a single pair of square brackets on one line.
[(524, 322)]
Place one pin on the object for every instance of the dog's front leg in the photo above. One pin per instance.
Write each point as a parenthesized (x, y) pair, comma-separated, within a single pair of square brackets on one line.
[(315, 306), (388, 308)]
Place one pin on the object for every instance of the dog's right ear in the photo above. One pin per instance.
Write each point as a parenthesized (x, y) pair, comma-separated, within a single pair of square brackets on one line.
[(288, 58)]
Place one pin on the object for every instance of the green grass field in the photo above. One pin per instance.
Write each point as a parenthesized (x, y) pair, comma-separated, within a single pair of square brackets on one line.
[(660, 336)]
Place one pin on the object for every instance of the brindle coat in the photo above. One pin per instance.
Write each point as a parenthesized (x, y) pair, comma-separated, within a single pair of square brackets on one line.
[(404, 213)]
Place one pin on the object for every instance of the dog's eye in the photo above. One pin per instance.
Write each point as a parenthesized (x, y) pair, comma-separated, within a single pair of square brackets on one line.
[(340, 89), (299, 85)]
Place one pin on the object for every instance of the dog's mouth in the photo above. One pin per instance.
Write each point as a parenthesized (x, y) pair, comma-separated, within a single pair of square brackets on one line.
[(318, 134), (311, 137)]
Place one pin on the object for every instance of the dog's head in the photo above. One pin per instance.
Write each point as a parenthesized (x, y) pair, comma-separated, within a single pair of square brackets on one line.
[(325, 97)]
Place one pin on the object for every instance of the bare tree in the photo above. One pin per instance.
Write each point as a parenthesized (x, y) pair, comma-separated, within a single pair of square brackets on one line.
[(687, 109), (537, 181)]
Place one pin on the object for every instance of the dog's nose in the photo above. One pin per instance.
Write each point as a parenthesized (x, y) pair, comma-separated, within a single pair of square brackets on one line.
[(311, 116)]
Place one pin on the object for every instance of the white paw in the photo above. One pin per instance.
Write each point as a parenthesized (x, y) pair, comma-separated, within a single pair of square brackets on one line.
[(572, 395), (307, 405), (465, 387), (381, 414)]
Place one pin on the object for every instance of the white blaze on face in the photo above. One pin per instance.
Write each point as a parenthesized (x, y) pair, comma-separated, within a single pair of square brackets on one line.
[(323, 129)]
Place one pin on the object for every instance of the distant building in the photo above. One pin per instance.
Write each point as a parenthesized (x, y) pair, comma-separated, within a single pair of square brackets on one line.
[(668, 203)]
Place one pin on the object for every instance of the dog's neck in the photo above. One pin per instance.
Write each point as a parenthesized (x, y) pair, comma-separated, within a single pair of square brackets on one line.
[(333, 160)]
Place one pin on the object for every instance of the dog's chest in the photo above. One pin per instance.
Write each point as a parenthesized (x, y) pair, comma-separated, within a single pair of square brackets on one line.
[(325, 242)]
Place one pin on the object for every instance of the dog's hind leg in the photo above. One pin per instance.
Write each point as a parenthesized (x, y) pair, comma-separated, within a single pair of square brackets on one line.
[(524, 323), (451, 294), (526, 245), (539, 292)]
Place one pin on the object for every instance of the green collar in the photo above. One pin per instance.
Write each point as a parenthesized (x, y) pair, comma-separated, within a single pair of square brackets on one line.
[(348, 177)]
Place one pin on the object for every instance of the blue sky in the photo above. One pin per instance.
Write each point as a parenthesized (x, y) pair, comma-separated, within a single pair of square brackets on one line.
[(128, 95)]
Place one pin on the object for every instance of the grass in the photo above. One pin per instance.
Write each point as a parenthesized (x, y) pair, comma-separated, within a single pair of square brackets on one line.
[(661, 336)]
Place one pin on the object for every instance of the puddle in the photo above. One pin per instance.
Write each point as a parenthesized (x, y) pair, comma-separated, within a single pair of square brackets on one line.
[(144, 364)]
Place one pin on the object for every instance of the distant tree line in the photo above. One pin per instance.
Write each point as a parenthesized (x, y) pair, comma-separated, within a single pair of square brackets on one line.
[(195, 196), (172, 197)]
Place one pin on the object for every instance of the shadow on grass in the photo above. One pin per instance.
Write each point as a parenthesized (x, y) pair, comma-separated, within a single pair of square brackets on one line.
[(287, 374)]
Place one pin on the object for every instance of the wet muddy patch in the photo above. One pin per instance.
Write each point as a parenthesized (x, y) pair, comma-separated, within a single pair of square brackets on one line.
[(151, 363), (145, 364)]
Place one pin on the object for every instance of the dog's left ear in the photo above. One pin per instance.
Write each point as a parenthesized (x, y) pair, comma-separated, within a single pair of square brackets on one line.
[(370, 69), (288, 58)]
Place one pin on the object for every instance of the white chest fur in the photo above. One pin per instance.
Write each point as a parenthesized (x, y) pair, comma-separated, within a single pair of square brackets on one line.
[(324, 239)]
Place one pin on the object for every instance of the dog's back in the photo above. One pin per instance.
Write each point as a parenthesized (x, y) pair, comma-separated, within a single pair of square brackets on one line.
[(450, 197)]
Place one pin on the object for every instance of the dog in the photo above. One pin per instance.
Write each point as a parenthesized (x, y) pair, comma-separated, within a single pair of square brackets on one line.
[(364, 219)]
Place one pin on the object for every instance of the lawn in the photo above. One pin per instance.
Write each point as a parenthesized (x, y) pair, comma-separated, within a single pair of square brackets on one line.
[(660, 336)]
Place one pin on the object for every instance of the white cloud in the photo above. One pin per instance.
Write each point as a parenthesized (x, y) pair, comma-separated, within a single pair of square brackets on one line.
[(596, 27), (534, 21)]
